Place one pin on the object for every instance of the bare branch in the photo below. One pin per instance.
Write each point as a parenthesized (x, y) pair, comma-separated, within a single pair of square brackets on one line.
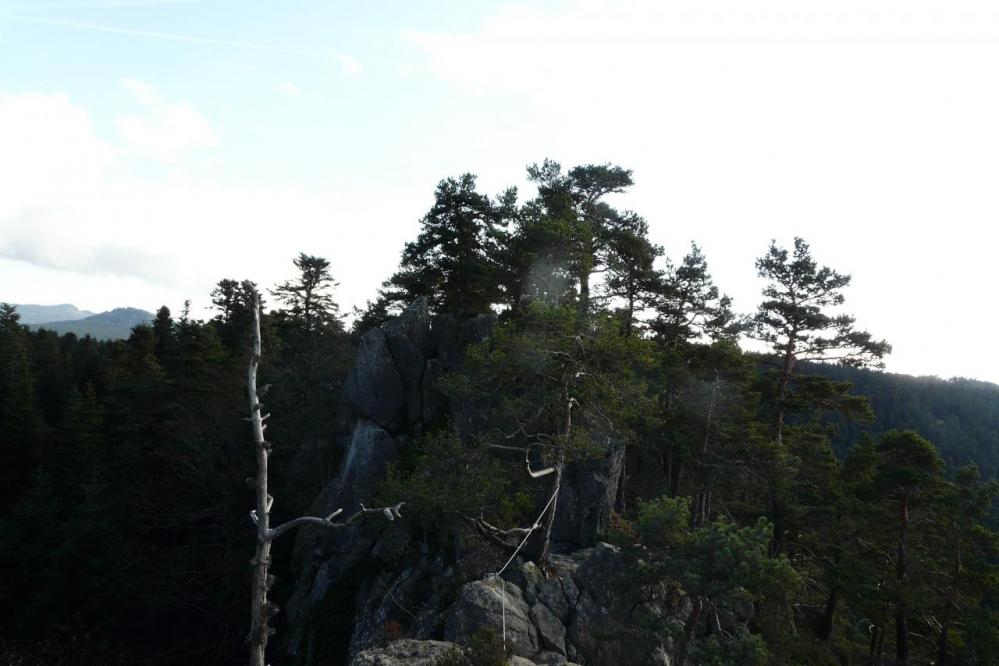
[(390, 512)]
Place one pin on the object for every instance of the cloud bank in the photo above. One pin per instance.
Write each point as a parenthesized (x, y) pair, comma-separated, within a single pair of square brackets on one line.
[(72, 203)]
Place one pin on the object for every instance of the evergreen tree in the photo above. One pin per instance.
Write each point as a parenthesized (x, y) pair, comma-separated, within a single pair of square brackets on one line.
[(308, 300), (572, 225), (689, 306), (166, 336), (454, 262), (308, 357), (969, 584), (233, 303), (632, 278), (795, 321), (908, 480)]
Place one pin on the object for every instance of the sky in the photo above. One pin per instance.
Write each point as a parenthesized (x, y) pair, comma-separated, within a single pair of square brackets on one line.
[(149, 148)]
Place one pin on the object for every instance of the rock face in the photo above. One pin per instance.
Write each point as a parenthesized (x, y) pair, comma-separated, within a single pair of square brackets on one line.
[(588, 495), (374, 388), (390, 398), (360, 590)]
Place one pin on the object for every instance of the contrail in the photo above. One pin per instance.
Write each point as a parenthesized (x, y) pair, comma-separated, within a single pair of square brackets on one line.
[(172, 36)]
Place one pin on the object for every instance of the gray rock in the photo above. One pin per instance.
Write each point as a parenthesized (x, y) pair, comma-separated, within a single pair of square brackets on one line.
[(409, 364), (434, 402), (477, 328), (550, 630), (549, 657), (570, 591), (374, 388), (480, 606), (527, 577), (588, 495), (520, 661), (404, 652), (408, 360), (551, 594), (443, 343), (414, 324), (612, 613), (371, 450)]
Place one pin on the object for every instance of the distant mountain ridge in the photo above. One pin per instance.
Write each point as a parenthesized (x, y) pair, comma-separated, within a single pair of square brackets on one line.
[(40, 314), (115, 324)]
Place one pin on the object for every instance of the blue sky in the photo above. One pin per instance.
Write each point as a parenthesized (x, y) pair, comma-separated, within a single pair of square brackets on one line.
[(150, 148), (323, 89)]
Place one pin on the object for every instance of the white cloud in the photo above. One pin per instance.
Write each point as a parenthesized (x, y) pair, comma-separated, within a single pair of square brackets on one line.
[(49, 152), (348, 64), (69, 205), (166, 130)]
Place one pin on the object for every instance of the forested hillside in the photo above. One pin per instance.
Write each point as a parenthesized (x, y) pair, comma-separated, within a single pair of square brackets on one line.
[(553, 402), (960, 416)]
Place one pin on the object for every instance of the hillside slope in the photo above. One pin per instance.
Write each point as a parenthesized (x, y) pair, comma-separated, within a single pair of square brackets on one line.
[(112, 325), (960, 416)]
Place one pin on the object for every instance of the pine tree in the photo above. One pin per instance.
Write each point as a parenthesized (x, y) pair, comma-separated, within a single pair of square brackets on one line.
[(632, 278), (908, 481), (689, 306), (578, 230), (166, 335), (308, 300), (454, 263), (795, 321)]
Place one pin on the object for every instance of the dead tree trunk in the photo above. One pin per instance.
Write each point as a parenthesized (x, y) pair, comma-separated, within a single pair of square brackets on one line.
[(262, 610)]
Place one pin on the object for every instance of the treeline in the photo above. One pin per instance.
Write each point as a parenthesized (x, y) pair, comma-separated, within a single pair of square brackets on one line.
[(125, 529)]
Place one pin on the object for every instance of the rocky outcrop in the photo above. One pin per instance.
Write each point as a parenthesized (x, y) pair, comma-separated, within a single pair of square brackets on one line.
[(380, 583), (588, 495), (586, 610), (590, 610)]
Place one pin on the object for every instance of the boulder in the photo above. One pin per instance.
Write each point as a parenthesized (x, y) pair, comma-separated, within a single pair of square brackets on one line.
[(480, 605), (526, 576), (404, 652)]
